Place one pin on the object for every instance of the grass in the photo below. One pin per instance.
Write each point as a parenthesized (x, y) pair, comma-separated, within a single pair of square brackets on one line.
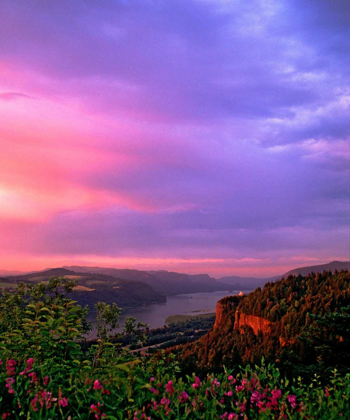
[(4, 284), (175, 319)]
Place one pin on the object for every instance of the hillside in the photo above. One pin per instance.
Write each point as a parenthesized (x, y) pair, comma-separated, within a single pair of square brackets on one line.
[(276, 322), (6, 273), (237, 282), (304, 271), (163, 282), (244, 283), (92, 288)]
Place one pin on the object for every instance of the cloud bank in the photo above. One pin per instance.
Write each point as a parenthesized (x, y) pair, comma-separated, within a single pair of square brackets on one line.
[(152, 133)]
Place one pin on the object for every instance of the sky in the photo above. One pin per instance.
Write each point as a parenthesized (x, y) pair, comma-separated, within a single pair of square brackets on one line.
[(202, 136)]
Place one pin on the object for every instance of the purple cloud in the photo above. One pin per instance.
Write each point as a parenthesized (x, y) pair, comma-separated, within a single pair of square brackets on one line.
[(227, 122)]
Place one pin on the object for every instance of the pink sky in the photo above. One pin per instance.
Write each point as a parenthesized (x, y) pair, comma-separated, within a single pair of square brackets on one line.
[(190, 136)]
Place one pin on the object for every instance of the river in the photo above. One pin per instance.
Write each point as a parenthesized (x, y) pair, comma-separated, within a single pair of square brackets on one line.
[(187, 304)]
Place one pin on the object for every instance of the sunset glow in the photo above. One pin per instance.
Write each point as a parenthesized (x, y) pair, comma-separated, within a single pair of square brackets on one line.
[(194, 136)]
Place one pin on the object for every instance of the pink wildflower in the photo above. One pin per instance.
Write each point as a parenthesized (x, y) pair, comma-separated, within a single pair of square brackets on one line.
[(183, 397), (41, 399), (165, 401), (242, 407), (241, 387), (97, 384), (9, 383), (196, 383), (30, 363), (230, 378), (29, 366), (10, 367), (169, 387), (276, 393), (292, 400), (34, 377), (95, 409)]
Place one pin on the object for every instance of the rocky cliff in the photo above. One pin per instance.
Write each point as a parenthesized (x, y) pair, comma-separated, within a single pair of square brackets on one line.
[(255, 322), (277, 316), (225, 311)]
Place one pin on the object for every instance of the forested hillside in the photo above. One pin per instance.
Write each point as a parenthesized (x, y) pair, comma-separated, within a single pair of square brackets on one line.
[(92, 288), (164, 282), (299, 321)]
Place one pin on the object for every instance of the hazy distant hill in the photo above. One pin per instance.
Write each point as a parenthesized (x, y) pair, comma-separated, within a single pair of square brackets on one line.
[(171, 283), (332, 266), (253, 282), (6, 273), (164, 282), (92, 288), (178, 283), (242, 283), (142, 287)]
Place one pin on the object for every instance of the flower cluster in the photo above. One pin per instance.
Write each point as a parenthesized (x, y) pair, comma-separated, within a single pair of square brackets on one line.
[(238, 398), (40, 397), (250, 395), (97, 411)]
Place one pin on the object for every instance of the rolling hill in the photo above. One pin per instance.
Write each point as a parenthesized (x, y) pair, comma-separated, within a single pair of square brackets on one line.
[(93, 287), (253, 282), (163, 282), (143, 287), (332, 266)]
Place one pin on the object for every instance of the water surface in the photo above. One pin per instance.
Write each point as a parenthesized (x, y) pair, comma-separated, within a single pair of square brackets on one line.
[(186, 304)]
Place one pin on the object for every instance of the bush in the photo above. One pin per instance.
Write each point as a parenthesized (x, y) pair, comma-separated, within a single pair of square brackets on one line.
[(48, 372)]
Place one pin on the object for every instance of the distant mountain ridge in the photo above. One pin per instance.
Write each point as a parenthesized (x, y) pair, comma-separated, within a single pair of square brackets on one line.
[(93, 287), (163, 282), (332, 266), (253, 282), (171, 283), (6, 273)]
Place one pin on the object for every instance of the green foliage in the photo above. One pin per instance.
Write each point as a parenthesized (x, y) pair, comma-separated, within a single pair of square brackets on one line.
[(149, 389), (329, 336), (308, 327), (107, 320), (47, 372), (170, 335)]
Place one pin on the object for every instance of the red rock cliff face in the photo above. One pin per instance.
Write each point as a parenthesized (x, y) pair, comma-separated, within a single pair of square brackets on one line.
[(228, 318), (224, 313), (219, 315), (255, 322)]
